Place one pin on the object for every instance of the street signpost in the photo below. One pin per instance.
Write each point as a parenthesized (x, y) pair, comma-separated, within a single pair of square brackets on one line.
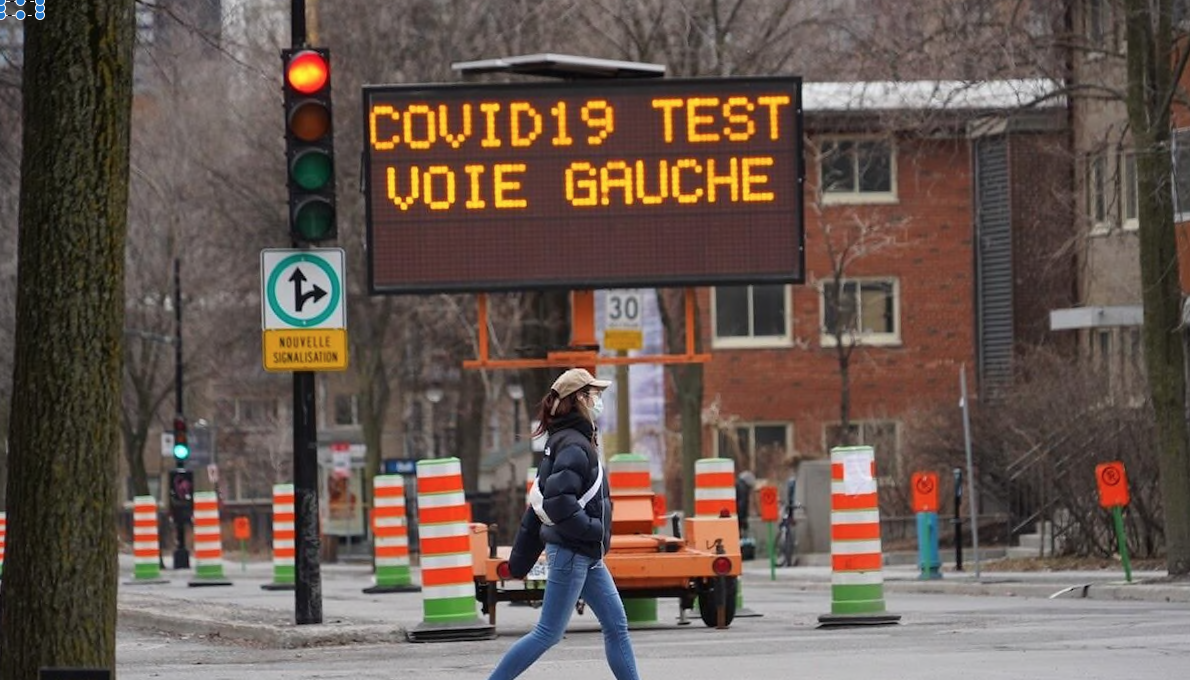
[(303, 309), (1113, 495)]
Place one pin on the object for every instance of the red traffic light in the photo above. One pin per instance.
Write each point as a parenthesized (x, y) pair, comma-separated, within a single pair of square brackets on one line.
[(307, 72)]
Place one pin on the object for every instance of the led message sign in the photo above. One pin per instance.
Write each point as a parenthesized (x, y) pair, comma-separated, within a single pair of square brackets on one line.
[(583, 184)]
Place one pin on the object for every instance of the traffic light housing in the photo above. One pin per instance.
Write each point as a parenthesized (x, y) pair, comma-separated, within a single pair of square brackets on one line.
[(181, 442), (309, 144)]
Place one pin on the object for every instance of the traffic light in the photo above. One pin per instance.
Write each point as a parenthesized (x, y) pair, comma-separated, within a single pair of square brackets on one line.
[(309, 144), (181, 442)]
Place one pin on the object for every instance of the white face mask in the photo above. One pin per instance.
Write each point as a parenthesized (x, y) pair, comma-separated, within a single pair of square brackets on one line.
[(596, 407)]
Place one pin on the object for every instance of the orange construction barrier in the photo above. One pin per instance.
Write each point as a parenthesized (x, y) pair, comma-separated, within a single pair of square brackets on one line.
[(208, 541), (444, 535), (714, 487)]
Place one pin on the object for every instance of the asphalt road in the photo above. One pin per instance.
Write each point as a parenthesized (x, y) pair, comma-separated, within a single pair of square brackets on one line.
[(940, 636)]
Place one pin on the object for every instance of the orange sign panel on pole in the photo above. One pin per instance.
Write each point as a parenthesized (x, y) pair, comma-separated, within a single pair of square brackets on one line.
[(243, 530), (768, 503), (925, 491), (1113, 484)]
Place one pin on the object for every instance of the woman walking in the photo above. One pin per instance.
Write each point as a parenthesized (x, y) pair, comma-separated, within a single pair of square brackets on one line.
[(570, 514)]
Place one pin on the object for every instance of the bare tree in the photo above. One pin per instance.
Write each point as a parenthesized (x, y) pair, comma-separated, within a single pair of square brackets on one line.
[(846, 240), (58, 604), (1156, 65)]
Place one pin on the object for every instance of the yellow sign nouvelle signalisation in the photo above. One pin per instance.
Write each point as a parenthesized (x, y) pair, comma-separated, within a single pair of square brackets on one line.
[(318, 349)]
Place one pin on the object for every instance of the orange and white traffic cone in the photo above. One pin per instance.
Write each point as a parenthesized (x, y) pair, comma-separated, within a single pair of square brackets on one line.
[(284, 540), (208, 541), (857, 559), (146, 546), (444, 535)]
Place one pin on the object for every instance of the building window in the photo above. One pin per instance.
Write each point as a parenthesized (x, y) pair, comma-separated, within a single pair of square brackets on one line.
[(882, 435), (1096, 23), (346, 410), (751, 316), (1129, 204), (761, 448), (857, 171), (1097, 194), (1181, 175), (864, 312)]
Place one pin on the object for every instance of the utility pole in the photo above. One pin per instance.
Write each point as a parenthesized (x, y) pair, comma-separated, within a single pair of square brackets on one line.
[(308, 574)]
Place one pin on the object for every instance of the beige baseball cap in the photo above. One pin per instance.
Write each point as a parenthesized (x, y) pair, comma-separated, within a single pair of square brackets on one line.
[(576, 379)]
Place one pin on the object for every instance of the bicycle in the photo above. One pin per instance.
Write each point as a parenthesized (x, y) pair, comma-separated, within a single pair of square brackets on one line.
[(787, 537)]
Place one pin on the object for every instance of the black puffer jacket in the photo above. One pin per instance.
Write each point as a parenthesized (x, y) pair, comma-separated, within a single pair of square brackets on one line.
[(569, 466)]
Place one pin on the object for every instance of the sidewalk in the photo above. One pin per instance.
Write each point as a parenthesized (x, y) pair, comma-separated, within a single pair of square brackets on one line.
[(245, 613)]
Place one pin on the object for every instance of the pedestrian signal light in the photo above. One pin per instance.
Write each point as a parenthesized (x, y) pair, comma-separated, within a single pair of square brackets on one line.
[(181, 442), (309, 145)]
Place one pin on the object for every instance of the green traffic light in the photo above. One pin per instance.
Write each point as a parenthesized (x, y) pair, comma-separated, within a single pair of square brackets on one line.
[(181, 451), (311, 169), (314, 219)]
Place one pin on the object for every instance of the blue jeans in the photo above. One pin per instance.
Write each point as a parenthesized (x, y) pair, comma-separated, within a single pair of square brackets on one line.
[(572, 575)]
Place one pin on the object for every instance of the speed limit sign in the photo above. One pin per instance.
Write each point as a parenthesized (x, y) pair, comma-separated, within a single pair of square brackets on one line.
[(624, 319)]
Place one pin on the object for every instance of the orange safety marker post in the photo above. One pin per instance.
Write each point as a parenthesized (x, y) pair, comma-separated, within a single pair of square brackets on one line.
[(1113, 495), (857, 582), (628, 475), (146, 544), (284, 546), (391, 544), (208, 541), (925, 505), (714, 487), (444, 535), (243, 532)]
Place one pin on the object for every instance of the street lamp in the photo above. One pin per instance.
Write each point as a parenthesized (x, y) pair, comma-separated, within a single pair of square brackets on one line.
[(434, 395), (516, 393)]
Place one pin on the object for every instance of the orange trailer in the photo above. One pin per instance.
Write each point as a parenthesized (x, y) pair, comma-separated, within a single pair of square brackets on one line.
[(702, 564)]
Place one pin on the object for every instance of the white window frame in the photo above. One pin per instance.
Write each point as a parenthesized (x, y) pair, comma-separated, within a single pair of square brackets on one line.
[(752, 341), (868, 339), (750, 454), (1095, 188), (858, 197), (1128, 181), (1179, 143)]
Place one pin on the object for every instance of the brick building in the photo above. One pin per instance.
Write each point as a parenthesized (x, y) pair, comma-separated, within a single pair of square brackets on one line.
[(901, 179)]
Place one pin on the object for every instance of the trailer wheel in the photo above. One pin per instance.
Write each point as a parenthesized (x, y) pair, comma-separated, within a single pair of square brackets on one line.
[(708, 601)]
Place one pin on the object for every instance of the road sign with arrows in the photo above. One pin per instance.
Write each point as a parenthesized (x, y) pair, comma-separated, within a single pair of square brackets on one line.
[(303, 303)]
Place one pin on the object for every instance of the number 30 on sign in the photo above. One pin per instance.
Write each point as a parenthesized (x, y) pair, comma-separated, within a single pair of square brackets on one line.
[(624, 327)]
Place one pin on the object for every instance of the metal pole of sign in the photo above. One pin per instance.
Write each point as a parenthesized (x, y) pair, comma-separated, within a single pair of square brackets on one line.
[(181, 554), (974, 506), (308, 576)]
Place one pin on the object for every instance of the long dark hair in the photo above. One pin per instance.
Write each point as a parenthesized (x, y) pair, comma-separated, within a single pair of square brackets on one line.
[(552, 408)]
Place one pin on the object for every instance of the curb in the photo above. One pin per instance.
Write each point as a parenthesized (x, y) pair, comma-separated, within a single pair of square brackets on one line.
[(267, 635), (1104, 591)]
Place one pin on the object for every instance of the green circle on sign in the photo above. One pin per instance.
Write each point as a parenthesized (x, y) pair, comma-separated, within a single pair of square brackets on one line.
[(336, 290)]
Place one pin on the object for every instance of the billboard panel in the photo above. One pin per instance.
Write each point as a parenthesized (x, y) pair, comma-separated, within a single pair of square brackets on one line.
[(595, 184)]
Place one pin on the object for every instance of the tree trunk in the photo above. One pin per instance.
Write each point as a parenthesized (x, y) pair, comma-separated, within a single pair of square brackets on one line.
[(1150, 80), (58, 603), (470, 427), (688, 387)]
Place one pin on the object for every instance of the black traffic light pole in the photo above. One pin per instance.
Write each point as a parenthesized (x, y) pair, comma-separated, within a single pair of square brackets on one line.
[(308, 576), (181, 554)]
